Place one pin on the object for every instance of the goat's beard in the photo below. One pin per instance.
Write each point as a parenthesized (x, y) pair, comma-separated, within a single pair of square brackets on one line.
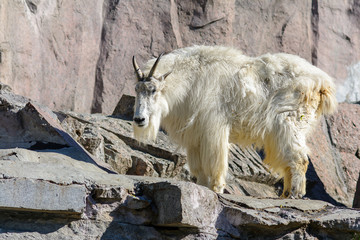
[(148, 133)]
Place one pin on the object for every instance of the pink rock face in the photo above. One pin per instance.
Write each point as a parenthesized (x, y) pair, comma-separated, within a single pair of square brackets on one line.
[(326, 164), (339, 37), (345, 134), (77, 55), (334, 152), (345, 128), (133, 29), (49, 50)]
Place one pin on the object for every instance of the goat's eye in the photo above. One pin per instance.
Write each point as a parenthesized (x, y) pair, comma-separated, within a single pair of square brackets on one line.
[(152, 89)]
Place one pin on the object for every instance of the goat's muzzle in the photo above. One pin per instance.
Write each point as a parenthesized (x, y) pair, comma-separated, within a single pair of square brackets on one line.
[(140, 121)]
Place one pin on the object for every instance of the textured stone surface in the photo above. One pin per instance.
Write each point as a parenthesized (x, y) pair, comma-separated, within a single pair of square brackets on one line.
[(287, 219), (24, 127), (183, 204), (326, 165), (77, 55), (272, 205), (64, 166), (334, 146), (356, 202), (36, 195), (344, 131), (125, 107), (52, 51), (338, 37)]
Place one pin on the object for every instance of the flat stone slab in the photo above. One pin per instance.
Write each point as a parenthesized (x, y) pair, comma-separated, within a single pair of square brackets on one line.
[(61, 166), (37, 195), (268, 203)]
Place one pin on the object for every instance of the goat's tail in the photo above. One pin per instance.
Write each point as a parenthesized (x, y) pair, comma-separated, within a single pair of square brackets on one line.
[(328, 102)]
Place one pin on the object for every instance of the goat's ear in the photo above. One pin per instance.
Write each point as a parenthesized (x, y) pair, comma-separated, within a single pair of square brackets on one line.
[(165, 75)]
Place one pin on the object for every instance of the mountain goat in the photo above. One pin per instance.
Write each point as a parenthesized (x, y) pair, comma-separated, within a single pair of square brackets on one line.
[(206, 97)]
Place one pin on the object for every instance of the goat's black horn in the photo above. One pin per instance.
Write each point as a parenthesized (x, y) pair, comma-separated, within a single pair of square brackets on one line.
[(154, 66), (138, 71)]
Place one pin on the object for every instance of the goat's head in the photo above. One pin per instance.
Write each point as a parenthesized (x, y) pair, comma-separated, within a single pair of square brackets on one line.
[(149, 104)]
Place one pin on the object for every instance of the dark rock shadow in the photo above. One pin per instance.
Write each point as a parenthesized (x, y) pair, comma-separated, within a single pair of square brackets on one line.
[(315, 188), (28, 221)]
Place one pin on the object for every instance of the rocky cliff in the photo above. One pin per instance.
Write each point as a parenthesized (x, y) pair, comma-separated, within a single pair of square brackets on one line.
[(65, 175), (76, 55), (69, 174)]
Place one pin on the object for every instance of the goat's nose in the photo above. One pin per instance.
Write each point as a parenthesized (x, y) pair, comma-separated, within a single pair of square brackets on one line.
[(139, 120)]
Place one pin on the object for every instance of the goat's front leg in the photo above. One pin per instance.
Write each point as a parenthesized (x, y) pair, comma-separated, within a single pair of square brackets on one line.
[(295, 179), (298, 179), (215, 159), (287, 183), (195, 165)]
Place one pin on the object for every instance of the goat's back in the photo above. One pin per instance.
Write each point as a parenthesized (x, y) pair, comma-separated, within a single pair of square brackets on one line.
[(210, 82)]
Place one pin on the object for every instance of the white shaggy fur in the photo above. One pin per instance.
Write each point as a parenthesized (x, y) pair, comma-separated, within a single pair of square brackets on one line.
[(215, 96)]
